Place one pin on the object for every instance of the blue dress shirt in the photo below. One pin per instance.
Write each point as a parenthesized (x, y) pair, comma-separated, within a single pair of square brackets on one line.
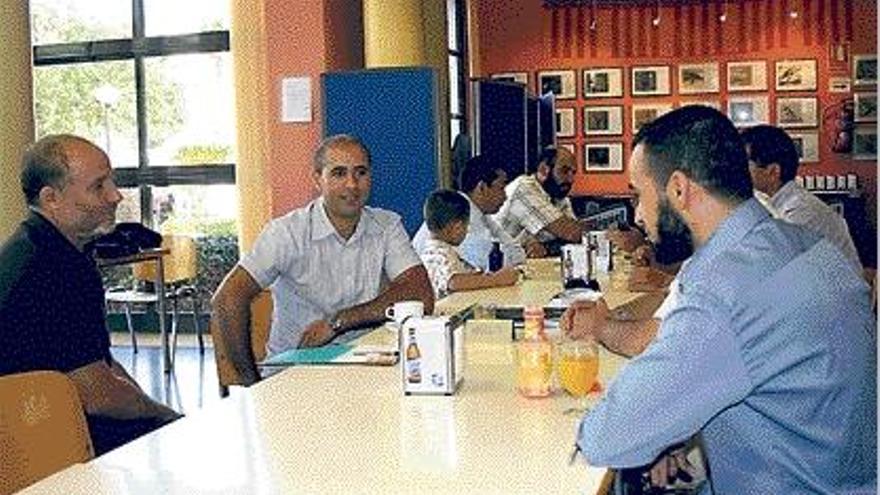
[(770, 354)]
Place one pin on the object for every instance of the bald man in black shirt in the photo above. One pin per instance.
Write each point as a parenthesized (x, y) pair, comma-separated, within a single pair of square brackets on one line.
[(51, 296)]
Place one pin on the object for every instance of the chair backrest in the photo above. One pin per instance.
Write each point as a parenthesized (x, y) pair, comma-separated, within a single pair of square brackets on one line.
[(261, 321), (181, 263), (42, 428)]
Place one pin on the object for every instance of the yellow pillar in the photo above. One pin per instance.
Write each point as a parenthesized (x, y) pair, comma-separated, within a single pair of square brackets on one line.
[(401, 33), (16, 109), (248, 44)]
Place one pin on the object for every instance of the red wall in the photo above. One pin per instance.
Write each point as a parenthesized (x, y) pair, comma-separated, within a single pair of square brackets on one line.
[(522, 35), (306, 39)]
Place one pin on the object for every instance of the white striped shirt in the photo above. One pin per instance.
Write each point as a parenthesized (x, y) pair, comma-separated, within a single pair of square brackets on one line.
[(529, 210), (794, 204)]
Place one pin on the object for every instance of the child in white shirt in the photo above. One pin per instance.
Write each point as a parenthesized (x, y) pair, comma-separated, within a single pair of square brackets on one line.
[(446, 216)]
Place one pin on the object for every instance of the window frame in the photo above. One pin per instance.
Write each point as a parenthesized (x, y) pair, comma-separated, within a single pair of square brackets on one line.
[(137, 49)]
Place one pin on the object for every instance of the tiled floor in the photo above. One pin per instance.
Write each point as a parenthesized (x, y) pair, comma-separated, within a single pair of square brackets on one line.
[(192, 384)]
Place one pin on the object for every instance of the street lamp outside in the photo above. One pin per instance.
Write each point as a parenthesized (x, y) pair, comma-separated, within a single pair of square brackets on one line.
[(107, 95)]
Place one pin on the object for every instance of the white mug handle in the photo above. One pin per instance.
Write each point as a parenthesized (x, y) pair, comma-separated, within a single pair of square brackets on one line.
[(389, 312)]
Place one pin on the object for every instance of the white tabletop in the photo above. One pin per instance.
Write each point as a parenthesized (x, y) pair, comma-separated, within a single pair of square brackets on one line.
[(350, 429)]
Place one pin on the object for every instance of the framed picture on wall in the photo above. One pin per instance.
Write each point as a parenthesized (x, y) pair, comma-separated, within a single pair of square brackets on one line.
[(559, 82), (796, 75), (642, 114), (797, 112), (564, 122), (807, 145), (706, 103), (603, 82), (865, 143), (603, 121), (698, 78), (603, 157), (650, 81), (865, 107), (747, 111), (839, 85), (747, 76), (864, 69), (516, 77)]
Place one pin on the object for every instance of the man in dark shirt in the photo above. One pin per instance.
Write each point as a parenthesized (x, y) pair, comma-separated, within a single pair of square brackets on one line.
[(51, 296)]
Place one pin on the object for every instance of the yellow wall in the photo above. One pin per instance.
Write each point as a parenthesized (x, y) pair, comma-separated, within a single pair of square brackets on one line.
[(16, 108)]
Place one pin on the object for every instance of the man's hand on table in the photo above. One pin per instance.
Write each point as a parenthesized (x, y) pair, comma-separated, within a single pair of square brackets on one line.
[(317, 333), (648, 279), (585, 320), (626, 240), (535, 249)]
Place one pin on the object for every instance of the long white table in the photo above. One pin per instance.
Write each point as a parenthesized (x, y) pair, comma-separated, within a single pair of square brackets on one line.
[(350, 429)]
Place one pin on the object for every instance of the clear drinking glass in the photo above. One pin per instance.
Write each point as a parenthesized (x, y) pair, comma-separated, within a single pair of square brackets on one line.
[(577, 366)]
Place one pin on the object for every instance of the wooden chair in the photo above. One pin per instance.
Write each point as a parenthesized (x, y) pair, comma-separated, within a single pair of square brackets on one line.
[(261, 321), (42, 428), (180, 268)]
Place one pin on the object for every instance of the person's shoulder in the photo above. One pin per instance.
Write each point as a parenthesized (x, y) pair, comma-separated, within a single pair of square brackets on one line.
[(17, 255), (381, 218)]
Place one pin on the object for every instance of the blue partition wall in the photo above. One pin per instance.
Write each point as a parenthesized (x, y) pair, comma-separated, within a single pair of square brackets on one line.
[(395, 112), (499, 123)]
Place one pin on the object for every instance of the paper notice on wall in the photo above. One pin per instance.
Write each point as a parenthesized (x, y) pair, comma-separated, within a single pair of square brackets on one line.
[(296, 99)]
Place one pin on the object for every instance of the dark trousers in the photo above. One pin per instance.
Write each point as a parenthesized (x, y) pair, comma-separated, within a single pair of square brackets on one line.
[(108, 433)]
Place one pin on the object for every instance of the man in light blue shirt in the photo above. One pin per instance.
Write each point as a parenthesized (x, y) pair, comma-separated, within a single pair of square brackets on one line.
[(770, 351), (482, 181), (333, 265)]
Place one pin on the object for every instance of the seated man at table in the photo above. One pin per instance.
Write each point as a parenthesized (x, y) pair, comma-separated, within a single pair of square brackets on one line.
[(773, 164), (537, 205), (51, 294), (482, 181), (770, 351), (333, 265), (446, 215)]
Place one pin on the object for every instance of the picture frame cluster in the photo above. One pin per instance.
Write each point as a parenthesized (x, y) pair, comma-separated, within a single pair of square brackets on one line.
[(618, 101)]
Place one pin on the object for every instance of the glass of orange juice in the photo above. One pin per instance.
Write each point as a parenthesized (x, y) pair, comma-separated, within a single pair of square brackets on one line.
[(578, 366)]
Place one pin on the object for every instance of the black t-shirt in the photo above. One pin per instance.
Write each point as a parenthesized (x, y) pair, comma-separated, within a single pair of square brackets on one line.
[(51, 302)]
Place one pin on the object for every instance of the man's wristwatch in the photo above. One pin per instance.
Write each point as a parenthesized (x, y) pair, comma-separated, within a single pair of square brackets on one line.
[(336, 324)]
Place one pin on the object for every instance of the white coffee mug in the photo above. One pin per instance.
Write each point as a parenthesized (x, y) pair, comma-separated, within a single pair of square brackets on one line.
[(402, 310)]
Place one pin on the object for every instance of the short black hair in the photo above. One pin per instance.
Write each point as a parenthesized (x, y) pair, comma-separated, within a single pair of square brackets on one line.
[(767, 145), (45, 163), (480, 168), (548, 155), (702, 143), (443, 207)]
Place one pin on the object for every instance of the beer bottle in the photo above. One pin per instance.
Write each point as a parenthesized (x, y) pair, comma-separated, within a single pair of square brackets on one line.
[(413, 359)]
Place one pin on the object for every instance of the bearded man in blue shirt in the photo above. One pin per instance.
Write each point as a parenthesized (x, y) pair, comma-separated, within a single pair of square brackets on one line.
[(769, 353)]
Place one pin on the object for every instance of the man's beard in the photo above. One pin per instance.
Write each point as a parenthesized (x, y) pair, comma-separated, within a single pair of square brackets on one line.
[(554, 188), (674, 240)]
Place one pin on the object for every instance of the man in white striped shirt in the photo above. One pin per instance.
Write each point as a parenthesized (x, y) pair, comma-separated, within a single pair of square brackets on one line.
[(773, 163)]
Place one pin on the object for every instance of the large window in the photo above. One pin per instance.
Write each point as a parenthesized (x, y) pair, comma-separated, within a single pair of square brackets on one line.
[(150, 82), (456, 22)]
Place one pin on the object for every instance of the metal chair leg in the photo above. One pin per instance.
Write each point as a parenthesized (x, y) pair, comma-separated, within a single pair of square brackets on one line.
[(134, 344), (174, 313), (196, 308)]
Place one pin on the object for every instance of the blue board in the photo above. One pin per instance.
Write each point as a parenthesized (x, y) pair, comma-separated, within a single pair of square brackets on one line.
[(500, 123), (395, 113)]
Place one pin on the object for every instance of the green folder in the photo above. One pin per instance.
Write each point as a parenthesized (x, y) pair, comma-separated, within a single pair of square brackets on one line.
[(314, 355)]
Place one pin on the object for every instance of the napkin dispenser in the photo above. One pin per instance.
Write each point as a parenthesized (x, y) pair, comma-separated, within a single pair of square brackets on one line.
[(432, 354)]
